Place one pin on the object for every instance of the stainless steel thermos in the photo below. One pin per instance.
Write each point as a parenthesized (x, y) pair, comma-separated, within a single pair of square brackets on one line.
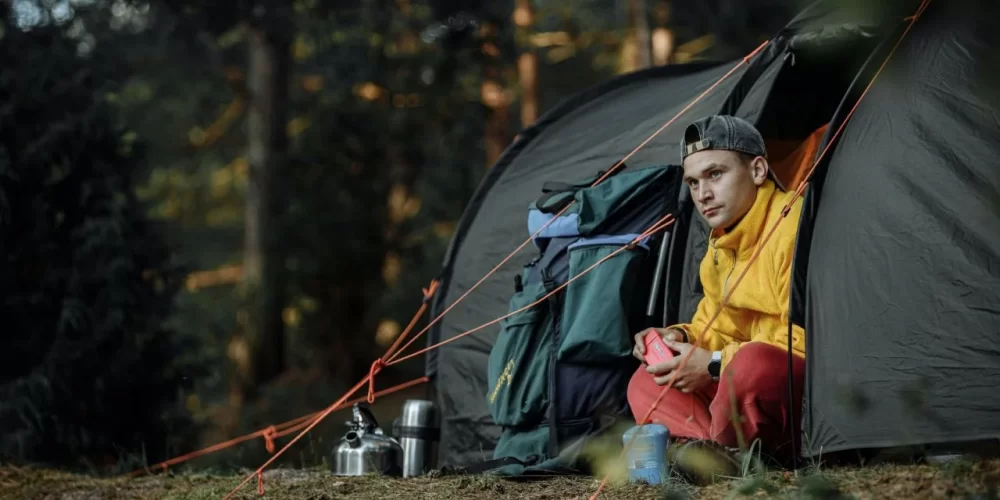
[(365, 449), (418, 431)]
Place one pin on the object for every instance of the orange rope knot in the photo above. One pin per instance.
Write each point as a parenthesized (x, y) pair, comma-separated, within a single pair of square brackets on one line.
[(269, 434), (377, 366), (431, 289)]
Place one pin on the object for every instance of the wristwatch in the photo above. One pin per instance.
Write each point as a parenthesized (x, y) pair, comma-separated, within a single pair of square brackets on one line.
[(715, 366)]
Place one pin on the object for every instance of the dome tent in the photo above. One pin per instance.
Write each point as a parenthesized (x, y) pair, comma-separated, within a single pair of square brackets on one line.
[(896, 273)]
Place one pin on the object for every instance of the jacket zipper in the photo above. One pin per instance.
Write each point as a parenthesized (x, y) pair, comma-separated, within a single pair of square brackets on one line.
[(715, 256), (725, 285)]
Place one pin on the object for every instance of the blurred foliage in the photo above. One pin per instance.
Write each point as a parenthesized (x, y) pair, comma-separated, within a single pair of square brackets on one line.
[(86, 280)]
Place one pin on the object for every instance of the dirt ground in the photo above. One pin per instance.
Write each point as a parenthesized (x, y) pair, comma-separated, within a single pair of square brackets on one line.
[(967, 480)]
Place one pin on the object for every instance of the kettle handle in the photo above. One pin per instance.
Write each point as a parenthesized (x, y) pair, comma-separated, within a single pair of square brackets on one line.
[(364, 417)]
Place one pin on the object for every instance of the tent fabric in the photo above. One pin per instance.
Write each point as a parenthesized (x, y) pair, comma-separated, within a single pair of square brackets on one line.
[(903, 293), (897, 262), (583, 135)]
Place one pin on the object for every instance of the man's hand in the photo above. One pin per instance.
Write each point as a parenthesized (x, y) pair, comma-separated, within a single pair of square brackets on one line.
[(667, 334), (692, 376)]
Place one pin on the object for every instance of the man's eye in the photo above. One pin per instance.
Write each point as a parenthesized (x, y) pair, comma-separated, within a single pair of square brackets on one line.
[(692, 183), (716, 174)]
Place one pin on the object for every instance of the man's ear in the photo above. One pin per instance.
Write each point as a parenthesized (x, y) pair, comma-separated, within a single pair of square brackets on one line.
[(758, 169)]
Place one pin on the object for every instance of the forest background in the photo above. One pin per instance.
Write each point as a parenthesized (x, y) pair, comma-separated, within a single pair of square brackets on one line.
[(214, 215)]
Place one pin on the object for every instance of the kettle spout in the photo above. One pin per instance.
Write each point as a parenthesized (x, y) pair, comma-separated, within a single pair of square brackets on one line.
[(353, 439)]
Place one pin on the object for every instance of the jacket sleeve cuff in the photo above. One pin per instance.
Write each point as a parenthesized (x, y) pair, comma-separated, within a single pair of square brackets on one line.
[(683, 328)]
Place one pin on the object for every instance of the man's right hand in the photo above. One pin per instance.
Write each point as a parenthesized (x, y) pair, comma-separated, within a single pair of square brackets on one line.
[(639, 350)]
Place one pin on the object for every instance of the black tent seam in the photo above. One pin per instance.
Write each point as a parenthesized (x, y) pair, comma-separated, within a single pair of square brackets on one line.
[(755, 69)]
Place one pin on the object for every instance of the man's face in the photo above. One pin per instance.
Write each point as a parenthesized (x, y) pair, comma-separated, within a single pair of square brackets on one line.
[(723, 185)]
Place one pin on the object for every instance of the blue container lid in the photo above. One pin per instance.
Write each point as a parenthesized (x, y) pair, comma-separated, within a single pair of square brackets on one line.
[(650, 430)]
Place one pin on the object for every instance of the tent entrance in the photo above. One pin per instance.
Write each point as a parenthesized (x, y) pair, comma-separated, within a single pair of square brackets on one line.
[(807, 89)]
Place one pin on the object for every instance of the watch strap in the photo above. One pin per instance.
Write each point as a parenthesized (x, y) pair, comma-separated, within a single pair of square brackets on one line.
[(715, 365)]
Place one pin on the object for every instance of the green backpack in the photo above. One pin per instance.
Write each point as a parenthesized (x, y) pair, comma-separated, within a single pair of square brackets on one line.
[(559, 371)]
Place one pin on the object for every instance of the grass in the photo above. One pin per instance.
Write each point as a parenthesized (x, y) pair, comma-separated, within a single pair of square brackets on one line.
[(969, 480)]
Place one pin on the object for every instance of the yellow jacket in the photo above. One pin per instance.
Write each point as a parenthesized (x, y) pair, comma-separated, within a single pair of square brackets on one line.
[(758, 309)]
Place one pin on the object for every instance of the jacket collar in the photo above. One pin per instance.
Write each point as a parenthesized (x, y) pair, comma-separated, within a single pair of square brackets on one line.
[(744, 236)]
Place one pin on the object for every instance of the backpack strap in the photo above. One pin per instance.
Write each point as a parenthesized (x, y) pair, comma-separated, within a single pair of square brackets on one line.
[(566, 190), (554, 189)]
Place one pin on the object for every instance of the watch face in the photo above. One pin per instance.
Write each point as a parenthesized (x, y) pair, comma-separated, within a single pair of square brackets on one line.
[(713, 368)]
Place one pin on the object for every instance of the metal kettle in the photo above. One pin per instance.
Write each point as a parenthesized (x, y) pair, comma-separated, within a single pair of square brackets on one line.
[(365, 449)]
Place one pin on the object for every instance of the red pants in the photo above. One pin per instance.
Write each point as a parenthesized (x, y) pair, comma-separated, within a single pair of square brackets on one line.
[(756, 380)]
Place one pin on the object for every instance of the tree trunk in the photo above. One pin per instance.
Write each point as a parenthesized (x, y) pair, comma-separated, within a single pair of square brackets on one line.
[(527, 62), (639, 44), (494, 96), (663, 38), (267, 145)]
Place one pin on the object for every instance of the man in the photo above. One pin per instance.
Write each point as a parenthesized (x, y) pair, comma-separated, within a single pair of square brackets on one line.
[(738, 371)]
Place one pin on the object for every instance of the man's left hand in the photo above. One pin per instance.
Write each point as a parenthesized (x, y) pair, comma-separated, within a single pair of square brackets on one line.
[(692, 376)]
